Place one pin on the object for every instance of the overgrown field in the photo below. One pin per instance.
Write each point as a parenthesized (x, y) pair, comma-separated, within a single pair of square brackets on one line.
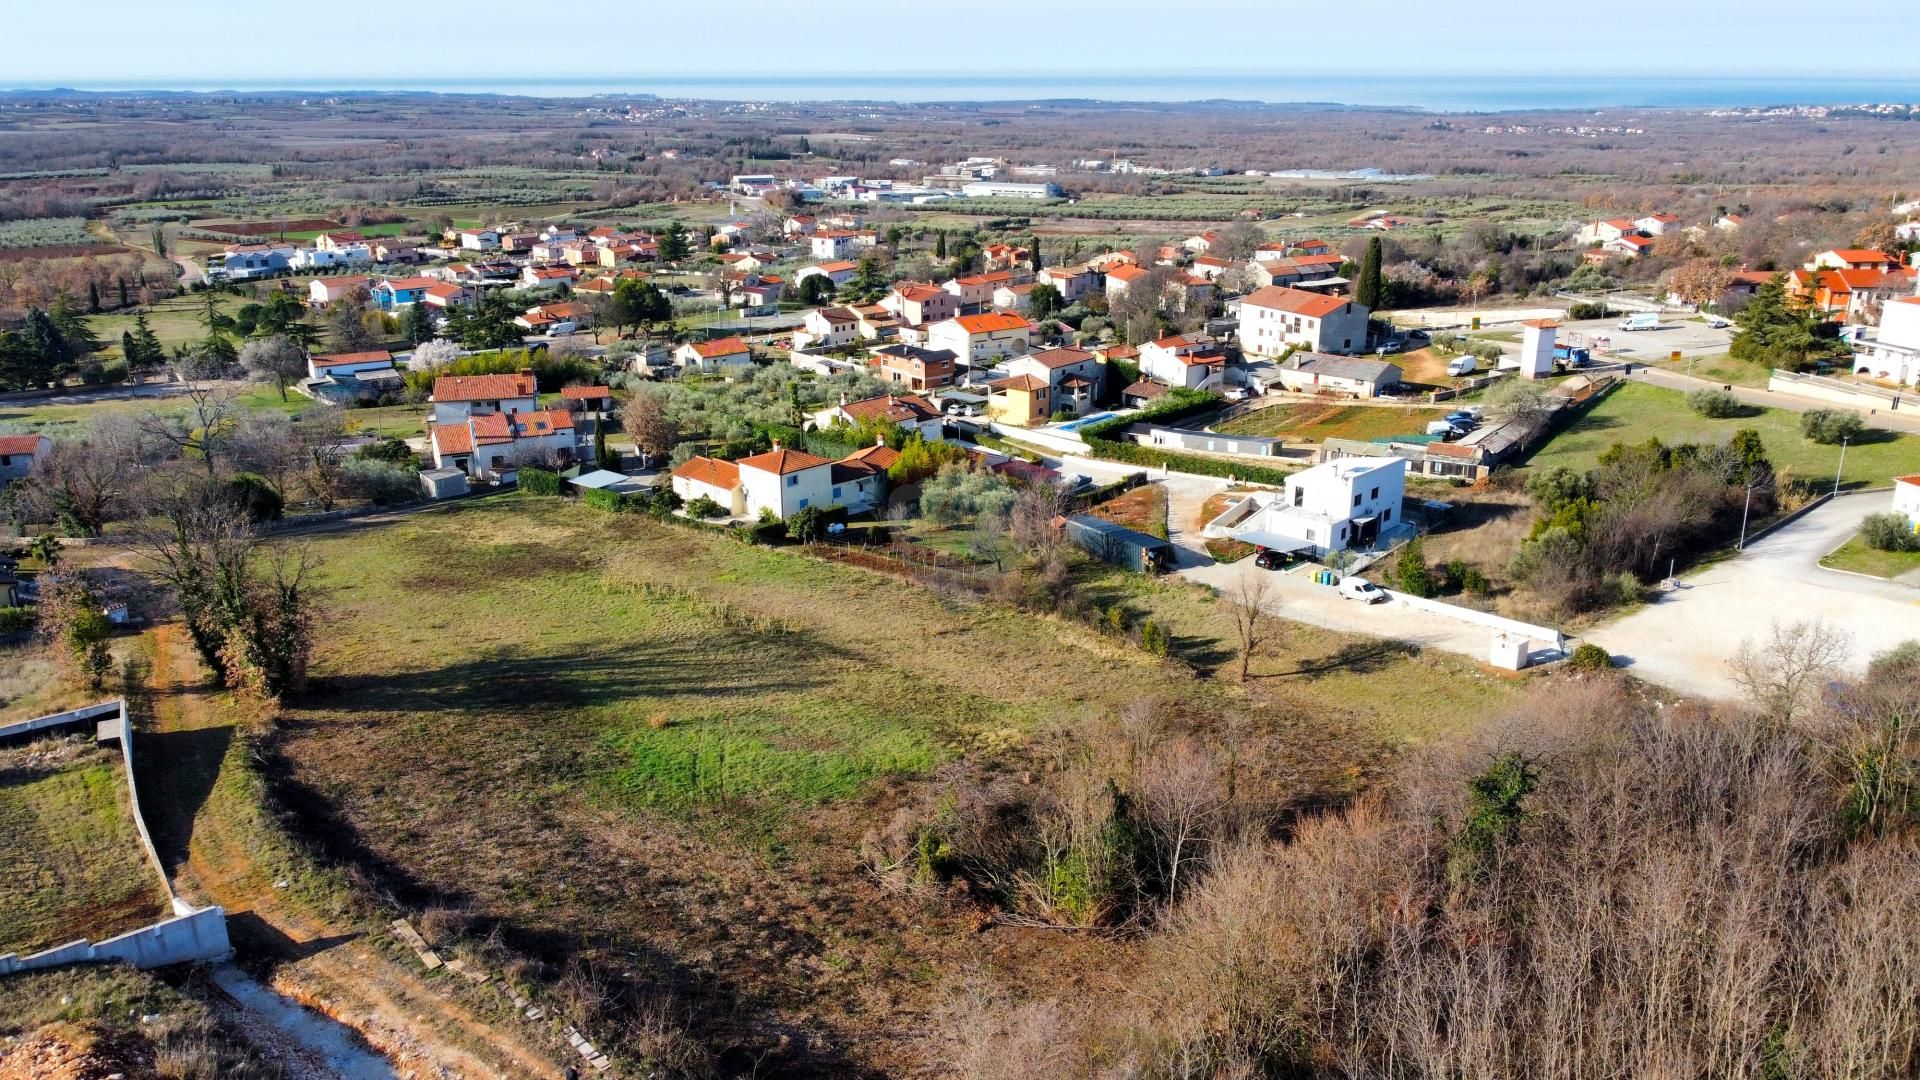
[(73, 864), (1636, 412), (657, 749), (1317, 423)]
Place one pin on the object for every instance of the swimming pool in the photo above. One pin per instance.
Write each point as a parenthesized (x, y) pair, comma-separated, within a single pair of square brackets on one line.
[(1076, 425)]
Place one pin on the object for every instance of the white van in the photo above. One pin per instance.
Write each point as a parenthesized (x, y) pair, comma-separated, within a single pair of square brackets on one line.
[(1645, 320), (1463, 365), (1353, 588)]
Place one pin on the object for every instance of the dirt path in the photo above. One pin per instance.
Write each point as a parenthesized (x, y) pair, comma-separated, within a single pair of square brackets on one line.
[(202, 836)]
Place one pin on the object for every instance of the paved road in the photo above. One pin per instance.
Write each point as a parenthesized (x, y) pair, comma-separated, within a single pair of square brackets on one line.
[(1685, 640)]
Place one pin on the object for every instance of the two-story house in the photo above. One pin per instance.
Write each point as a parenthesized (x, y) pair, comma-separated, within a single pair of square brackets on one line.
[(456, 397), (980, 340), (1341, 504), (1074, 377), (1275, 317), (914, 368)]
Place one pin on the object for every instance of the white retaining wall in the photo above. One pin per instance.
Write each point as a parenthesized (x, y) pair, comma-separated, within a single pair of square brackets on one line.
[(1499, 623), (201, 935), (1840, 393)]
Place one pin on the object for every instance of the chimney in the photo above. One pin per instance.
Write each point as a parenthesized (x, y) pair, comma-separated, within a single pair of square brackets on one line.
[(776, 446), (879, 440)]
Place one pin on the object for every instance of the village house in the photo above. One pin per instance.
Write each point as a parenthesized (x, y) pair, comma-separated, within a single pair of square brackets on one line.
[(758, 291), (543, 278), (914, 368), (1192, 363), (1210, 267), (1299, 271), (976, 290), (1729, 222), (592, 399), (709, 356), (1275, 317), (981, 340), (1074, 377), (1906, 499), (710, 478), (919, 304), (391, 251), (1630, 245), (1073, 282), (249, 262), (496, 444), (875, 322), (1321, 373), (393, 294), (1599, 232), (17, 454), (799, 225), (910, 412), (353, 377), (831, 244), (1006, 257), (1342, 504), (1124, 277), (338, 242), (1854, 259), (444, 294), (456, 397), (839, 273), (1657, 224), (784, 482), (322, 291), (827, 328), (480, 239), (1893, 353), (560, 318), (1021, 400), (1015, 298)]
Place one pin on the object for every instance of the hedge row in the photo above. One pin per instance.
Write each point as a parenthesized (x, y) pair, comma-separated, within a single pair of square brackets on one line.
[(1175, 406), (539, 481)]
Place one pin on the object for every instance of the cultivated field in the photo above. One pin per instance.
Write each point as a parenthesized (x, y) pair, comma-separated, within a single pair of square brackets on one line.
[(73, 862), (1636, 412), (657, 748), (1312, 422)]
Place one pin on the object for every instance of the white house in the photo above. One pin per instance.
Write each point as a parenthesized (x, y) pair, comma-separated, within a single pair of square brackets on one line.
[(1657, 224), (1123, 277), (918, 304), (479, 239), (1074, 377), (489, 444), (976, 290), (829, 328), (785, 481), (1599, 232), (1342, 504), (837, 272), (341, 365), (542, 278), (1317, 373), (1074, 282), (1893, 353), (17, 453), (456, 397), (325, 290), (713, 478), (1276, 317), (1194, 363), (713, 355), (981, 339), (1906, 498), (831, 244)]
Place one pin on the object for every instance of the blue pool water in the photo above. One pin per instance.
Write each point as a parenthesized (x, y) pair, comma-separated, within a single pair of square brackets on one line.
[(1076, 425)]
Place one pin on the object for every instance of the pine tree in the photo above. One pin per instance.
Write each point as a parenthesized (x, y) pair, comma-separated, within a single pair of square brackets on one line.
[(419, 324), (673, 243), (79, 338), (1368, 292)]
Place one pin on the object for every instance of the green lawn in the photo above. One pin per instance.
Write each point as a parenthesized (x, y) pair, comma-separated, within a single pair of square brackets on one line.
[(74, 867), (58, 420), (1636, 412), (1856, 556), (1309, 422), (1721, 368)]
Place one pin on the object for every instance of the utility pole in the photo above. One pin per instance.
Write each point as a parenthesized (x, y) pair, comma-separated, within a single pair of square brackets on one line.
[(1842, 467), (1748, 505)]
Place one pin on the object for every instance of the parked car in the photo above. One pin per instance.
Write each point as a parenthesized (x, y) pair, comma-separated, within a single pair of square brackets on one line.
[(1353, 588), (1463, 365), (1269, 560), (1390, 346), (1462, 417), (1715, 322)]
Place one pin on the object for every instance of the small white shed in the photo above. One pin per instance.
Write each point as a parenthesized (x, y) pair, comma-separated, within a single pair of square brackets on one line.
[(443, 483)]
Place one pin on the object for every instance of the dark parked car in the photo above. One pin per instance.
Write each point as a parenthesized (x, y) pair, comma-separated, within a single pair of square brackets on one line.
[(1269, 560)]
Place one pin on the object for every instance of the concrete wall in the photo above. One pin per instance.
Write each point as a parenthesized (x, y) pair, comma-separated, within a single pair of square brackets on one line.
[(189, 934), (1840, 393), (200, 935), (1500, 624)]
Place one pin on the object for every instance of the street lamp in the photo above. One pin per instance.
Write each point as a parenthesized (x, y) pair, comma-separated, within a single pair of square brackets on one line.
[(1838, 469), (1748, 505)]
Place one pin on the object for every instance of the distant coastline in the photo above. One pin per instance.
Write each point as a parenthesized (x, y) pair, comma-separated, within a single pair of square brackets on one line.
[(1433, 93)]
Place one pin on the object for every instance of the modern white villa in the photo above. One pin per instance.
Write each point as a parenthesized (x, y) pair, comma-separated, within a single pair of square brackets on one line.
[(1342, 504)]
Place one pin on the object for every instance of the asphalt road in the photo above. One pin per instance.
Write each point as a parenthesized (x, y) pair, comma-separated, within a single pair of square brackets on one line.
[(1685, 640)]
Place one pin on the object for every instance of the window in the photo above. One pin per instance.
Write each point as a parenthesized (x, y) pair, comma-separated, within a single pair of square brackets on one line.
[(793, 481), (1356, 498), (836, 492), (803, 504), (1375, 494), (1386, 515), (1299, 496)]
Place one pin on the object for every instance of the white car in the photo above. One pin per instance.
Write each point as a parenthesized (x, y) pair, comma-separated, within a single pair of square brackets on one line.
[(1353, 588), (1715, 322)]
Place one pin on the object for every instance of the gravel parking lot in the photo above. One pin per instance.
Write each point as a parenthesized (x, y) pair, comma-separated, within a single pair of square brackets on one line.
[(1676, 331), (1685, 640)]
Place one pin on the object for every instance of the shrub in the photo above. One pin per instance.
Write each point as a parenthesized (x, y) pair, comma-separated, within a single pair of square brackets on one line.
[(768, 532), (15, 620), (1486, 350), (601, 499), (1889, 532), (1590, 657), (704, 507), (379, 482), (1829, 426), (1474, 582), (1588, 311), (389, 449), (253, 494), (1154, 638), (539, 481), (1411, 570), (1717, 404)]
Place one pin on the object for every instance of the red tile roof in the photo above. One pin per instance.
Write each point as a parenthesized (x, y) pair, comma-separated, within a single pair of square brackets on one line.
[(1858, 255), (482, 387), (781, 461), (1297, 301), (20, 444), (899, 408), (1019, 382), (880, 456), (706, 470), (836, 267), (1128, 273), (580, 393), (707, 350), (1059, 358), (992, 322), (411, 282), (919, 292)]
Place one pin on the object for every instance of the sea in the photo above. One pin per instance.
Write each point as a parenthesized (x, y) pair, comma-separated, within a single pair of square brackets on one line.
[(1436, 93)]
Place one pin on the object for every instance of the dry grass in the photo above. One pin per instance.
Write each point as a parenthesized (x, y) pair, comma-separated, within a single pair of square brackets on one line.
[(1144, 509)]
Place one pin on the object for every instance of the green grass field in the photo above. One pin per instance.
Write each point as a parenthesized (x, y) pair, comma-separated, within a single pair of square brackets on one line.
[(1636, 412), (65, 419), (74, 867), (1856, 556), (1316, 423), (1721, 369)]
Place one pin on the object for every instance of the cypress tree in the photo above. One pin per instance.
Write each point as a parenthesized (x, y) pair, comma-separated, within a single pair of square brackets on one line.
[(93, 298), (123, 292), (1368, 291), (1033, 247), (940, 245)]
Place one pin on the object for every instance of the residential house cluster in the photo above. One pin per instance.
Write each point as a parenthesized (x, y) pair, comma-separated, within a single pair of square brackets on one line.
[(488, 425)]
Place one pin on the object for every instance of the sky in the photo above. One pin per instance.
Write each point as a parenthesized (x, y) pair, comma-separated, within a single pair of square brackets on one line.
[(223, 42)]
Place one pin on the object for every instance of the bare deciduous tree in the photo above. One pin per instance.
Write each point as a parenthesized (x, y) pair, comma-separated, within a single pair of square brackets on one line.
[(1252, 623), (645, 419), (1782, 675)]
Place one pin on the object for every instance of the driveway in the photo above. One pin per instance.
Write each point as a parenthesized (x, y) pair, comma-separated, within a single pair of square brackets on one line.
[(1685, 639)]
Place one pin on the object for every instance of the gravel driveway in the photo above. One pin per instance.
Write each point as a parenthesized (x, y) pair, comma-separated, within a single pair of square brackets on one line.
[(1685, 640)]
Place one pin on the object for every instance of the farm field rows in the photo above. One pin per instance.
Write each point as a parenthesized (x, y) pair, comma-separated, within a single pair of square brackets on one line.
[(1312, 422)]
